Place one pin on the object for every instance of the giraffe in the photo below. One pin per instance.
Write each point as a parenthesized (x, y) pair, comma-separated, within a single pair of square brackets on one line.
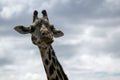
[(42, 35)]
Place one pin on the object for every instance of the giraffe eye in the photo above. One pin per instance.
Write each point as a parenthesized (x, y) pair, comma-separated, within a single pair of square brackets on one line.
[(32, 29)]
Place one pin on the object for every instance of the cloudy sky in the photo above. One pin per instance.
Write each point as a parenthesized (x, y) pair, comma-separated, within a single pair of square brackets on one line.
[(90, 49)]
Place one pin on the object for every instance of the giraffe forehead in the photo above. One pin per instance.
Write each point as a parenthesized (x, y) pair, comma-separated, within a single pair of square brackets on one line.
[(43, 28)]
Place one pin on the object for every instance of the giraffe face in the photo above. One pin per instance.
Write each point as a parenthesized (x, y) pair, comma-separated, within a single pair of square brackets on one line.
[(41, 35)]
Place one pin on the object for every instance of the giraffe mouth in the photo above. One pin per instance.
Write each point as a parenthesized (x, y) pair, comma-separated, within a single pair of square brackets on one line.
[(48, 40)]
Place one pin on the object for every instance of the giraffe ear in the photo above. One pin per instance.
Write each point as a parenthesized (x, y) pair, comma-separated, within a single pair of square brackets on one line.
[(58, 33), (22, 30)]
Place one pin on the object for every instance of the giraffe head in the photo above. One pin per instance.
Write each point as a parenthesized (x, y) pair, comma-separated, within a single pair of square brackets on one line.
[(41, 35), (40, 31)]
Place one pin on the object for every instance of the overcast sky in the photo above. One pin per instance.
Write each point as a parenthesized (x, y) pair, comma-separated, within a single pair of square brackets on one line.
[(90, 49)]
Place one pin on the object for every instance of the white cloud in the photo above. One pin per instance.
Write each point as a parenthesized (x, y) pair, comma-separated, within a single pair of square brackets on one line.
[(88, 51), (30, 76), (7, 12), (90, 57), (15, 8), (88, 66), (26, 62), (11, 8)]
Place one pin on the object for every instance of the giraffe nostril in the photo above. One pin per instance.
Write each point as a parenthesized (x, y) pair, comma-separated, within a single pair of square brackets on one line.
[(43, 33), (39, 42)]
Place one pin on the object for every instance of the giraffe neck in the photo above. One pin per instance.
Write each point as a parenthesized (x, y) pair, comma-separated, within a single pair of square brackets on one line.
[(53, 69)]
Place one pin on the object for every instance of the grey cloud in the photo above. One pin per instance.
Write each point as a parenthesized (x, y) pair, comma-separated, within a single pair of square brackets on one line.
[(71, 17), (99, 74), (24, 18), (78, 12), (102, 41), (65, 51), (5, 61), (77, 8), (110, 42), (7, 26), (114, 45)]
